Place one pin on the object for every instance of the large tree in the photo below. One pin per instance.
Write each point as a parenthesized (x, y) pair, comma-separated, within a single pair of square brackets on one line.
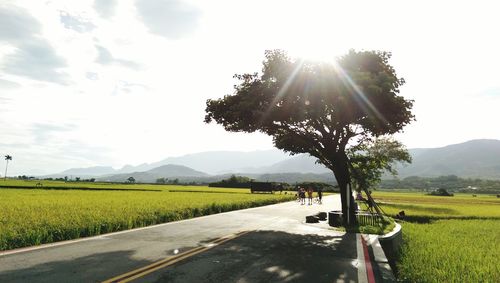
[(318, 108)]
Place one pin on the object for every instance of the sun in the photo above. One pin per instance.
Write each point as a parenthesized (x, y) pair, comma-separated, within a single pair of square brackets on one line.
[(312, 51)]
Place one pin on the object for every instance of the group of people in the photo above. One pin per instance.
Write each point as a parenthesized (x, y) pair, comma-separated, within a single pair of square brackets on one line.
[(301, 195)]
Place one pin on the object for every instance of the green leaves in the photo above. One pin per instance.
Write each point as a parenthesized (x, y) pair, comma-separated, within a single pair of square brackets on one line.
[(371, 159), (305, 105)]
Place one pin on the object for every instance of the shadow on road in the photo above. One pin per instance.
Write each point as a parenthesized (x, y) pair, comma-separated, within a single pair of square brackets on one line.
[(270, 256), (92, 268), (259, 256)]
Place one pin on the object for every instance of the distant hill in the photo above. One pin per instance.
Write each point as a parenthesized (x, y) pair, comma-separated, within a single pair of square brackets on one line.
[(171, 170), (83, 173), (212, 162), (217, 162), (302, 163), (96, 170), (472, 159), (150, 176)]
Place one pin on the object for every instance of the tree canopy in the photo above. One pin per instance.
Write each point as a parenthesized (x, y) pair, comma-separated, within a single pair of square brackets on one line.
[(318, 108), (371, 159)]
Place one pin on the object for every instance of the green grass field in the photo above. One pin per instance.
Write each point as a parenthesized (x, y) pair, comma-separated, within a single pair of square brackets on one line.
[(12, 183), (36, 216), (447, 239)]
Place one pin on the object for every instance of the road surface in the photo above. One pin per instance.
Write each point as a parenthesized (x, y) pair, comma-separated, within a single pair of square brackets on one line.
[(264, 244)]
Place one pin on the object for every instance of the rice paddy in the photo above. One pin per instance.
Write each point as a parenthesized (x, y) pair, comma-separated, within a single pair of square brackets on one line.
[(36, 216), (447, 239)]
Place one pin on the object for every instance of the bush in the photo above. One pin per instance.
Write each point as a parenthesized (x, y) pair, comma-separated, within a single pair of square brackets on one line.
[(440, 192), (233, 182)]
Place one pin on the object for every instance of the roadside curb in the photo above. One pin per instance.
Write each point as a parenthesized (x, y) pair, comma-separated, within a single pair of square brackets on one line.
[(381, 248), (380, 262), (392, 241)]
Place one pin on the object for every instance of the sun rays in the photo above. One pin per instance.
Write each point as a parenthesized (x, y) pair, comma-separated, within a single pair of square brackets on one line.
[(358, 94), (354, 90), (283, 90)]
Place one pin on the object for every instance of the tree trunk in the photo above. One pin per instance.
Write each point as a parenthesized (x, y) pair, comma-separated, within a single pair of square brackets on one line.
[(6, 166), (342, 175)]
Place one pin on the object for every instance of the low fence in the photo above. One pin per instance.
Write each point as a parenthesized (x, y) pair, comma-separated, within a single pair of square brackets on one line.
[(362, 218)]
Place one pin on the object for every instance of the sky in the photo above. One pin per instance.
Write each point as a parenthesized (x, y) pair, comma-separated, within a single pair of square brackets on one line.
[(108, 82)]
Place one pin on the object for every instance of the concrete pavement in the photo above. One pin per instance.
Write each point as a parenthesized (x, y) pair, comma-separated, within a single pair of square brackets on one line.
[(277, 246)]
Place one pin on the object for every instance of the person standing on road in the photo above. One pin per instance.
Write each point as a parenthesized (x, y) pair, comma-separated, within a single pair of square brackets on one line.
[(310, 195), (302, 196), (320, 195)]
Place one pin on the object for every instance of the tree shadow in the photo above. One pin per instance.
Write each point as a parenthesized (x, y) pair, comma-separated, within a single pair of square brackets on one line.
[(420, 219), (270, 256), (93, 268), (258, 256), (422, 208)]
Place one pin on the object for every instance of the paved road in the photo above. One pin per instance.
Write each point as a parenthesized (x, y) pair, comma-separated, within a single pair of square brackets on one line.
[(276, 246)]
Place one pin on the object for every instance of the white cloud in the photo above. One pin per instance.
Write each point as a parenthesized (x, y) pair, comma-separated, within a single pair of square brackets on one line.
[(75, 23), (172, 19), (105, 57), (188, 51), (33, 56), (105, 8), (6, 84)]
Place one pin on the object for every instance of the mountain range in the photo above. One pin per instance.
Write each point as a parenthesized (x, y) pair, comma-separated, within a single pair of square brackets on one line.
[(472, 159), (211, 162), (164, 171)]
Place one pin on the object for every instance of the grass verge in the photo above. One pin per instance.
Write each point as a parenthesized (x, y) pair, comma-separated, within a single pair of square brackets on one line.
[(452, 239), (382, 228)]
